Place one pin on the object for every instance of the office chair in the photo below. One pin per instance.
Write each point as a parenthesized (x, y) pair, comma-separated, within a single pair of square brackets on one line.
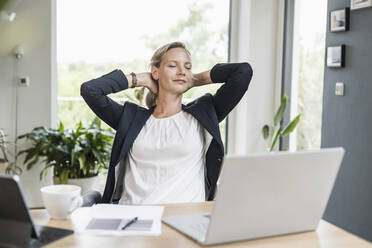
[(91, 198)]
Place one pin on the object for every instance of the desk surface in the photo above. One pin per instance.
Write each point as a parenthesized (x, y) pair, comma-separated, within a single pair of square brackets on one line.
[(326, 235)]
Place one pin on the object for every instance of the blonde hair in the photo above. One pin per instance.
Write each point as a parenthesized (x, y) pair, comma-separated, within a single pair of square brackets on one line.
[(156, 60)]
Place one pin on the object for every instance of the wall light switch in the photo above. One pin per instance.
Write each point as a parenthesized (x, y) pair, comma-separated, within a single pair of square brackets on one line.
[(340, 89), (24, 81)]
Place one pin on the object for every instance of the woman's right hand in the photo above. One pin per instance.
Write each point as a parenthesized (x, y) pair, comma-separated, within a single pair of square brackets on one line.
[(145, 79)]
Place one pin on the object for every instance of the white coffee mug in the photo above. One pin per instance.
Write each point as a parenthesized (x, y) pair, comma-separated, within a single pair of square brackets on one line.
[(61, 200)]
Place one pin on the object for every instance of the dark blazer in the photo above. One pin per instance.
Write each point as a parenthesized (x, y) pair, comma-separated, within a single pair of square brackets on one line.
[(128, 119)]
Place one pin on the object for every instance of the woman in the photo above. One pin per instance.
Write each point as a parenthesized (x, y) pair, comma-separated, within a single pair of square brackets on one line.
[(170, 152)]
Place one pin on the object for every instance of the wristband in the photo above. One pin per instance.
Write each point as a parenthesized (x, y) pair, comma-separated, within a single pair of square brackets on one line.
[(134, 79)]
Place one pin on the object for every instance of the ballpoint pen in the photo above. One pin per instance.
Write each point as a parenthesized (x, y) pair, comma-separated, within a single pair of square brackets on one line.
[(130, 223)]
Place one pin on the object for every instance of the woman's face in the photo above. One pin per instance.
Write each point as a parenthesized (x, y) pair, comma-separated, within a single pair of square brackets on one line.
[(174, 74)]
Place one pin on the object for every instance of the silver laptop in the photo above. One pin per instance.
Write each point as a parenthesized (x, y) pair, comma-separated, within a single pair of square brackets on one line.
[(264, 195)]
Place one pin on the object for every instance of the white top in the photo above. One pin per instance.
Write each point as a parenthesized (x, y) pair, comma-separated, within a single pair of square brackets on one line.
[(166, 162)]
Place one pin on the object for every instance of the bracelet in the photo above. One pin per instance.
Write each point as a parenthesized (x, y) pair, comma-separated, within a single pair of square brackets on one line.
[(134, 79)]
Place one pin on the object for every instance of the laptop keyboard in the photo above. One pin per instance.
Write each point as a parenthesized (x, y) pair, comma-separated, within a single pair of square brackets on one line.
[(200, 227), (208, 216), (48, 235), (200, 224)]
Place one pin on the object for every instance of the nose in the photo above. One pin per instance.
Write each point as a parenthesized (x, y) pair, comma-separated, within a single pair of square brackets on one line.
[(181, 70)]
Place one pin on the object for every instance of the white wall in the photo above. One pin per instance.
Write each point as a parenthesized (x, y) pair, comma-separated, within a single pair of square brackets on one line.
[(256, 37), (34, 29)]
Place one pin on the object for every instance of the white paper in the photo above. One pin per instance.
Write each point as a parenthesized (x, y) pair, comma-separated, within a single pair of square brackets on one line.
[(82, 216)]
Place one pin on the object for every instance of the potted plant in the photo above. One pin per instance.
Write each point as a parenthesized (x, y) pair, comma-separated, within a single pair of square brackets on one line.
[(3, 152), (77, 156), (7, 165), (277, 129)]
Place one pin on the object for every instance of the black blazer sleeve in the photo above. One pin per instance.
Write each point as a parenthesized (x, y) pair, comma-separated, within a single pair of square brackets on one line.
[(95, 94), (237, 77)]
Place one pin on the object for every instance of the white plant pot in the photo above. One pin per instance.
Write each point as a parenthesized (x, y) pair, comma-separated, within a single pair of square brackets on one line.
[(86, 184), (3, 166), (31, 184)]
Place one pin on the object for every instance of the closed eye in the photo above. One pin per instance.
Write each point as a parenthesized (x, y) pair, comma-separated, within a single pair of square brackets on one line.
[(188, 68)]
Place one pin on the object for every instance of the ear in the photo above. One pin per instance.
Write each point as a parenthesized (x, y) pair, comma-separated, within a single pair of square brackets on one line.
[(155, 72)]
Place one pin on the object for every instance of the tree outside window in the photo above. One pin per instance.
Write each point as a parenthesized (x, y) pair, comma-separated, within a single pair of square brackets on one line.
[(308, 57), (196, 26)]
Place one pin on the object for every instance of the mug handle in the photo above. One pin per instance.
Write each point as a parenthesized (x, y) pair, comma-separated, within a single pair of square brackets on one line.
[(76, 202)]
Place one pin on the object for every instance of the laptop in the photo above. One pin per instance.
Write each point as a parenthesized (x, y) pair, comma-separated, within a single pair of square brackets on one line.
[(264, 195), (16, 225)]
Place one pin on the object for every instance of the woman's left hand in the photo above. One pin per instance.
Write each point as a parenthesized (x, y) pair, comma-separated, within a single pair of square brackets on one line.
[(200, 79), (193, 82)]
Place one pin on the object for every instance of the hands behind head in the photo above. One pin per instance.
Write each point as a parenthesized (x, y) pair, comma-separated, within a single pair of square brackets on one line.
[(145, 79)]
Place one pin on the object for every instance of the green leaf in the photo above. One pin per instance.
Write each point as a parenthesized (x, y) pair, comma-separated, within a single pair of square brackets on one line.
[(82, 161), (32, 163), (61, 128), (79, 131), (74, 153), (63, 177), (275, 138), (96, 121), (22, 136), (265, 131), (279, 113), (29, 154), (44, 171), (97, 155), (291, 126)]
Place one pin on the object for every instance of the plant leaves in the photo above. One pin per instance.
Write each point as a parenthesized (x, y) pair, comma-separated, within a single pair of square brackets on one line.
[(275, 138), (32, 163), (63, 177), (279, 113), (61, 128), (44, 171), (291, 126), (265, 131), (96, 121), (82, 161), (73, 153)]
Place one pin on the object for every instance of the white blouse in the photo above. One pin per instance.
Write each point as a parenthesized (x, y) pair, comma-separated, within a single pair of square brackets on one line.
[(166, 162)]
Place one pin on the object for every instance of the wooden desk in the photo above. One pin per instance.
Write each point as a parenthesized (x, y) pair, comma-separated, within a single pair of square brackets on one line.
[(327, 235)]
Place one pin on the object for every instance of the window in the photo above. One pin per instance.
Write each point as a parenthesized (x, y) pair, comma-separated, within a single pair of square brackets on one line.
[(310, 18), (124, 34)]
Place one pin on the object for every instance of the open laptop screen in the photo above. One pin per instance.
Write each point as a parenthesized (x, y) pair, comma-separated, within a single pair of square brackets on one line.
[(12, 204), (16, 224)]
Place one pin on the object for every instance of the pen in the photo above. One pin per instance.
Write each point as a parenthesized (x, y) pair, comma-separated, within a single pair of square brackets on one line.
[(130, 223)]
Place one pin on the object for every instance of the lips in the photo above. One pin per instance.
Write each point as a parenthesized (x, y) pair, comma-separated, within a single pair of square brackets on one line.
[(180, 81)]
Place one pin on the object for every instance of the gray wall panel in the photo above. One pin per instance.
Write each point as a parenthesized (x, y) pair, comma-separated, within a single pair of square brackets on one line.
[(347, 122)]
